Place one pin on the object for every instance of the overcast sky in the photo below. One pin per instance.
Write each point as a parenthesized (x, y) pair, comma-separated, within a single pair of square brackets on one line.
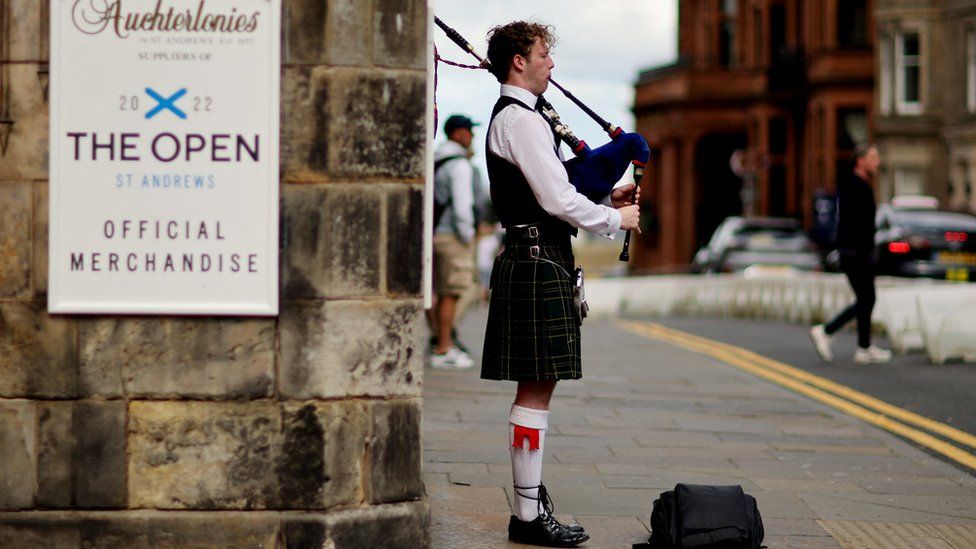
[(601, 47)]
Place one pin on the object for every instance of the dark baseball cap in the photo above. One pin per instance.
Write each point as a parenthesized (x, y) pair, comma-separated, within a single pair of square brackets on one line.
[(458, 121)]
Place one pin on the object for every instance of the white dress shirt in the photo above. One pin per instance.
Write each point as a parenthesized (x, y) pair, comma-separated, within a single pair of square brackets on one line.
[(525, 139)]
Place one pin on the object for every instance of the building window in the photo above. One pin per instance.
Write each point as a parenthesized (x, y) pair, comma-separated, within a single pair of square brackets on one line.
[(908, 181), (971, 70), (852, 128), (908, 72), (777, 29), (727, 26), (759, 57), (777, 190), (885, 80), (852, 24), (778, 136)]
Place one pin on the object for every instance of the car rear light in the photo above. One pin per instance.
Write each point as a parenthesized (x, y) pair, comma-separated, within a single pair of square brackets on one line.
[(956, 237), (899, 247)]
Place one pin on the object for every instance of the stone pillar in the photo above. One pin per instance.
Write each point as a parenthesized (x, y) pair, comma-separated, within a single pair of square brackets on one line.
[(688, 201), (670, 193), (958, 174), (970, 180), (296, 431)]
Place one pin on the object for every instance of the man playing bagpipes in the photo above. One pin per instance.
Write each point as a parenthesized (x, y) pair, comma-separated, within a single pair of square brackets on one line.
[(533, 331)]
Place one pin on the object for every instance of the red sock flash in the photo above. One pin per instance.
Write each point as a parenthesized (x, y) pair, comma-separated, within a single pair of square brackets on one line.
[(525, 432)]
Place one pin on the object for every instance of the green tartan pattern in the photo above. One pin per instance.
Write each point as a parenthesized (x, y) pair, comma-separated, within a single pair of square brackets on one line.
[(533, 331)]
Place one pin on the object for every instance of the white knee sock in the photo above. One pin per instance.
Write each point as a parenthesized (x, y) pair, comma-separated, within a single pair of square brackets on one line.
[(531, 425)]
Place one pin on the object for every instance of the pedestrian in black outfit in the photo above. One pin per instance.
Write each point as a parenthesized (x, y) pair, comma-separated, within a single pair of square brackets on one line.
[(855, 242)]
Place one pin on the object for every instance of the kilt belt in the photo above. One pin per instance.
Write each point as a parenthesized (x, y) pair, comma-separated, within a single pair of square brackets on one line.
[(533, 330), (526, 242)]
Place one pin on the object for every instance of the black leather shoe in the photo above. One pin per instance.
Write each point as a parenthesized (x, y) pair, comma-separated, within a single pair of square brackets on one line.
[(575, 528), (546, 509), (546, 531)]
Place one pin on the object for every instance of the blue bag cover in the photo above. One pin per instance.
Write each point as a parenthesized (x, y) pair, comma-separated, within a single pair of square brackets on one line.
[(595, 173)]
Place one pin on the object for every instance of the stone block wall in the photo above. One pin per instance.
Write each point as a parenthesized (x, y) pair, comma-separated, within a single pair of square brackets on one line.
[(296, 431)]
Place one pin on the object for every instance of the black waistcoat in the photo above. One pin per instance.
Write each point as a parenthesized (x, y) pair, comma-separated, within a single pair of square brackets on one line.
[(511, 195)]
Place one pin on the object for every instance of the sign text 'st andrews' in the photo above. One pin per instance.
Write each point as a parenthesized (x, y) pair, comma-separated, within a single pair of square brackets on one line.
[(94, 16)]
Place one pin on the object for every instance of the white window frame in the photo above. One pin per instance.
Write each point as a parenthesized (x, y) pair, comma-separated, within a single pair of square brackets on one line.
[(903, 175), (885, 80), (901, 105), (971, 69)]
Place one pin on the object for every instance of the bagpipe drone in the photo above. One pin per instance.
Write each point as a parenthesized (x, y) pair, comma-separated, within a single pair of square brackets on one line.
[(593, 172)]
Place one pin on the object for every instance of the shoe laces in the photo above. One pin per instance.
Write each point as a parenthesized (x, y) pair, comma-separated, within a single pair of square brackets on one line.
[(545, 504)]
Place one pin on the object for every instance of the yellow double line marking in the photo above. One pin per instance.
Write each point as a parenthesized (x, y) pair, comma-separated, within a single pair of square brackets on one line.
[(840, 397)]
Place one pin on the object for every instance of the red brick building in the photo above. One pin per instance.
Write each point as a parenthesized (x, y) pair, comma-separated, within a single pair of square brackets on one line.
[(788, 83)]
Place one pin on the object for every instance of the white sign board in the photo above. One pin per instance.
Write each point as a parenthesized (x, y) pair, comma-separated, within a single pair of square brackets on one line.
[(164, 156)]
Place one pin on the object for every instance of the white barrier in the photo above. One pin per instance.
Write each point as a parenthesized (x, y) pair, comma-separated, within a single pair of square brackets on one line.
[(947, 321), (915, 314), (896, 313)]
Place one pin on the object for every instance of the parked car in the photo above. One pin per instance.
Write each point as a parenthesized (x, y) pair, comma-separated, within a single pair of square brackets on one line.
[(919, 241), (740, 243)]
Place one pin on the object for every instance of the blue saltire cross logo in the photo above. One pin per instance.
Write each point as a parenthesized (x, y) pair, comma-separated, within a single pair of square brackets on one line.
[(165, 103)]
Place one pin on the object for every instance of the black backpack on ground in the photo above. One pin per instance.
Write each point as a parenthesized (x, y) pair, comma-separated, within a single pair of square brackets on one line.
[(712, 517)]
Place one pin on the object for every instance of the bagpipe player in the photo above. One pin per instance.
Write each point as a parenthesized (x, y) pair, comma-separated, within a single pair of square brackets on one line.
[(533, 330)]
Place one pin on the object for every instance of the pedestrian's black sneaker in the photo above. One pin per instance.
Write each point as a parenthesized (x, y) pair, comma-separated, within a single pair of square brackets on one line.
[(454, 337), (546, 531), (457, 342)]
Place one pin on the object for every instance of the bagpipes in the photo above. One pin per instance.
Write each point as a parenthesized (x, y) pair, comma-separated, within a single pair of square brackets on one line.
[(593, 172)]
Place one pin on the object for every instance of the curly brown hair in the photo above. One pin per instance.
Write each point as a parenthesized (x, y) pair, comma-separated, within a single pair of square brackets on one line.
[(515, 38)]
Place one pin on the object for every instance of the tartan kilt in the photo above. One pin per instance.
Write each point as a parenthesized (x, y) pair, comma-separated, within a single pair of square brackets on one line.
[(533, 331)]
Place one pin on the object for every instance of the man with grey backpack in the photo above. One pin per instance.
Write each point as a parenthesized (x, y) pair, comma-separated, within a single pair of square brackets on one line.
[(454, 234)]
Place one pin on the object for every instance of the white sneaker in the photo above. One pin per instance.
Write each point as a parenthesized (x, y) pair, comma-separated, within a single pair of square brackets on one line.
[(453, 359), (871, 355), (821, 342)]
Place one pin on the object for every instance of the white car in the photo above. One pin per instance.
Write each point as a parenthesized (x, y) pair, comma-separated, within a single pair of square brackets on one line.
[(739, 243)]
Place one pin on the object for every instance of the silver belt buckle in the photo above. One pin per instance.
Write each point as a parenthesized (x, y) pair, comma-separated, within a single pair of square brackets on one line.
[(533, 232), (534, 252)]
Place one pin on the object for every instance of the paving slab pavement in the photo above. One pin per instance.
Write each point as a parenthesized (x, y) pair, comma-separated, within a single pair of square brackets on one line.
[(647, 415)]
